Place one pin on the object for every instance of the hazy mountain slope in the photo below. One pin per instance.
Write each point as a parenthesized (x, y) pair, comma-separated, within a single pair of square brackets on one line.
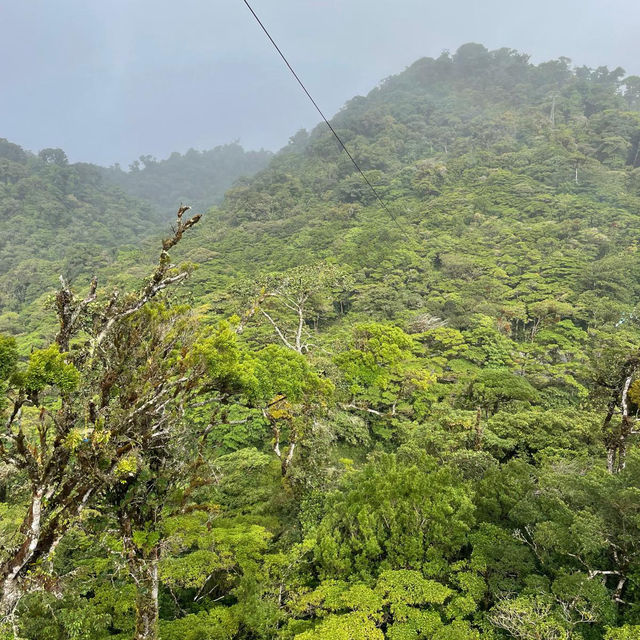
[(198, 177), (72, 220), (514, 184), (59, 219)]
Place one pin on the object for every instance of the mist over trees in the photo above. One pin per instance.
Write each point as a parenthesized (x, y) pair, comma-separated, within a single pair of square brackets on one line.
[(74, 219), (201, 177), (309, 421)]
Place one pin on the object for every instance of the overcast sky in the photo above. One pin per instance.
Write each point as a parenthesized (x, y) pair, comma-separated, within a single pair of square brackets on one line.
[(109, 80)]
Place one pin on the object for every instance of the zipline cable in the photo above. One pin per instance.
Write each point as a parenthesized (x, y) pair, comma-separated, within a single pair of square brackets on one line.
[(338, 138)]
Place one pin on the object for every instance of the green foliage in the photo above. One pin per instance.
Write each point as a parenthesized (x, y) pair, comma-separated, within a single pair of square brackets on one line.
[(403, 602), (627, 632), (8, 356), (491, 387), (49, 367), (530, 618), (382, 368), (396, 512), (352, 626), (566, 432), (279, 371), (228, 366), (67, 619), (8, 362), (218, 623), (196, 556)]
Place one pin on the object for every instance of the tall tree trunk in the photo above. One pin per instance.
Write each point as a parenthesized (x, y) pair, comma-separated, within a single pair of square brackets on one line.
[(11, 593), (42, 531), (479, 431), (146, 569), (143, 567), (11, 569), (617, 435)]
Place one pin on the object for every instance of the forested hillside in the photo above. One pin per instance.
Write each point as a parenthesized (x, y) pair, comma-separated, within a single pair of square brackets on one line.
[(58, 219), (199, 177), (351, 422), (74, 219)]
